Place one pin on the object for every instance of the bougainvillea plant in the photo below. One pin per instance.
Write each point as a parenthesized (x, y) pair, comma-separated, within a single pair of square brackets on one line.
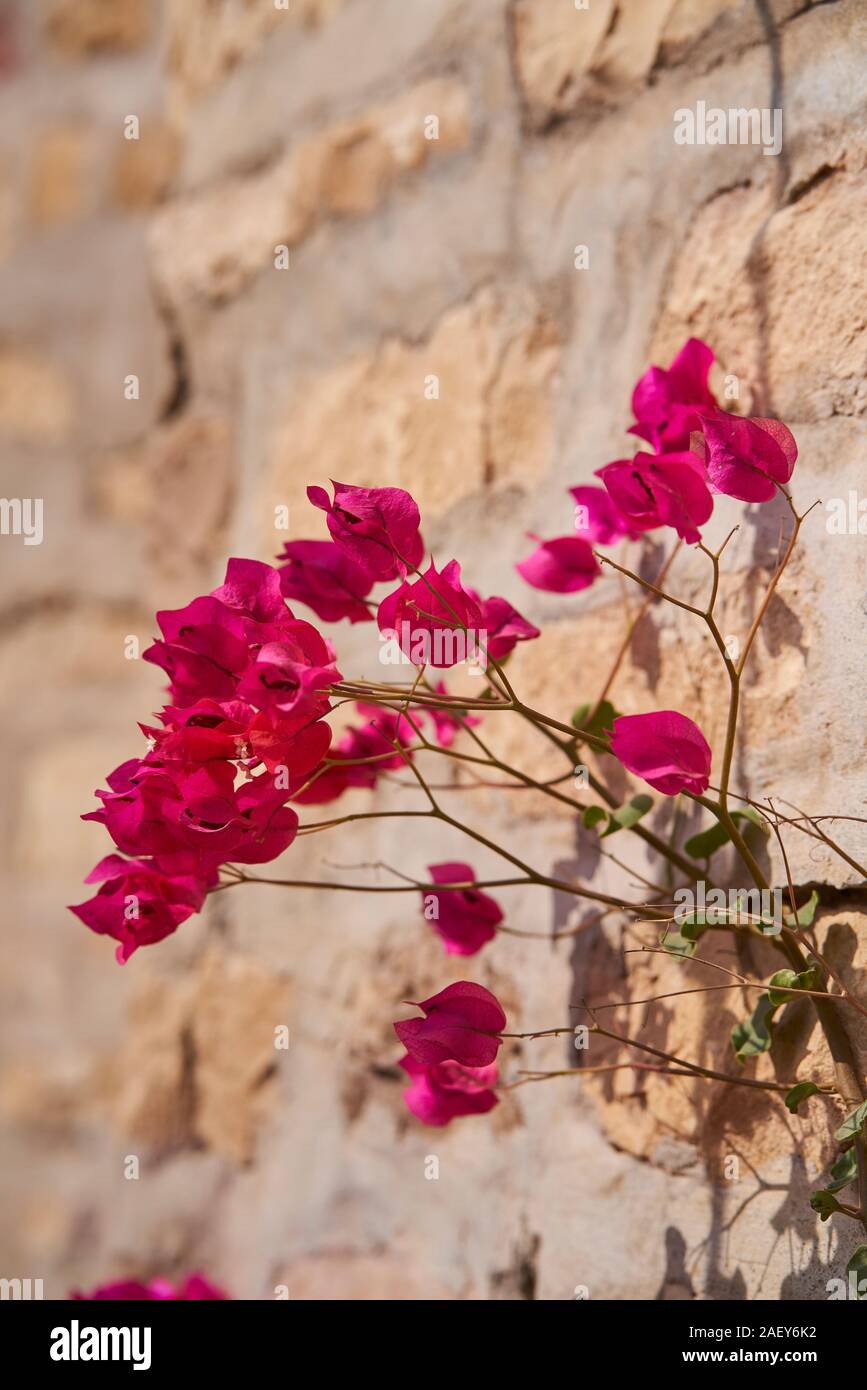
[(245, 743)]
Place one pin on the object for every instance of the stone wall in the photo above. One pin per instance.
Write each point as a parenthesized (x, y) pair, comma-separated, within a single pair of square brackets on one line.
[(307, 128)]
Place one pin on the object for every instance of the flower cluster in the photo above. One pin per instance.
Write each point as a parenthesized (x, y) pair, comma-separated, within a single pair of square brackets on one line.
[(250, 684), (244, 733), (245, 739), (697, 450)]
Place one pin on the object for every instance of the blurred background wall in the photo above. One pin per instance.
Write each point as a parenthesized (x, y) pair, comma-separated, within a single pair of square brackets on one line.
[(308, 127)]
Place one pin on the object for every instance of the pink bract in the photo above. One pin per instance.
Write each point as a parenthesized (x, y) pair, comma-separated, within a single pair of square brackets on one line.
[(441, 1093), (746, 458), (377, 527), (195, 1288), (436, 621), (564, 565), (665, 399), (461, 1024), (597, 520), (324, 577), (466, 917), (141, 901), (661, 490), (665, 748)]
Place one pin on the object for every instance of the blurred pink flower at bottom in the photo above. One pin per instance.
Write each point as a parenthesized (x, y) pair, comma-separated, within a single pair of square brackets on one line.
[(195, 1288)]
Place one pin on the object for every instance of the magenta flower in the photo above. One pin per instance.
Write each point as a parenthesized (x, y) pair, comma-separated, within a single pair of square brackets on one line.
[(665, 748), (160, 809), (440, 1093), (464, 917), (323, 576), (140, 902), (293, 676), (664, 400), (209, 730), (377, 527), (502, 626), (746, 458), (195, 1288), (660, 490), (561, 566), (242, 641), (435, 620), (597, 520), (461, 1024)]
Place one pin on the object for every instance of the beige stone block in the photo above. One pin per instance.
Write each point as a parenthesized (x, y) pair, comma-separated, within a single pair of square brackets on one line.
[(144, 168), (494, 360), (86, 28), (213, 242), (60, 175), (206, 43), (749, 277), (37, 404), (238, 1007)]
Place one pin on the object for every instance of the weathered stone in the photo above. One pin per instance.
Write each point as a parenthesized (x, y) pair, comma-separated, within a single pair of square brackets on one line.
[(145, 168), (446, 418), (37, 403), (60, 175), (741, 280), (212, 243), (84, 28)]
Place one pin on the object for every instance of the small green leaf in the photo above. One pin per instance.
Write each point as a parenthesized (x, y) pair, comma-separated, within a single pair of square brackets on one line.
[(602, 720), (593, 815), (852, 1126), (779, 996), (753, 1036), (751, 814), (800, 1093), (857, 1267), (805, 914), (706, 842), (825, 1203), (843, 1171), (677, 944), (628, 815)]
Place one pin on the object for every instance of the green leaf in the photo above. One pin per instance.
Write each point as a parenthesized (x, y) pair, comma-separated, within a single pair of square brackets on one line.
[(858, 1266), (844, 1171), (602, 720), (805, 914), (628, 815), (779, 996), (852, 1126), (706, 842), (825, 1203), (753, 1036), (800, 1093), (593, 815), (677, 944), (751, 814)]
